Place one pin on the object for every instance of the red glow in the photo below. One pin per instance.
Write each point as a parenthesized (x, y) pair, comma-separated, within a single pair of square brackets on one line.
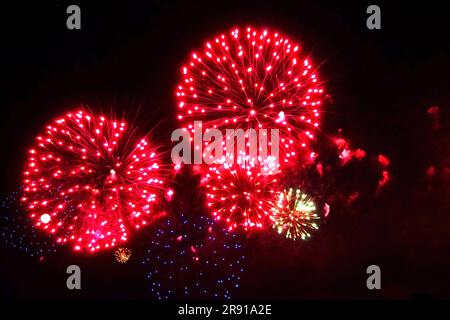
[(433, 110), (326, 210), (431, 171), (383, 160), (353, 197), (341, 143), (319, 168), (359, 154), (434, 113), (384, 180), (346, 153)]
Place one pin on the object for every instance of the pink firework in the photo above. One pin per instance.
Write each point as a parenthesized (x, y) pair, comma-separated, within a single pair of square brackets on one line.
[(252, 78), (89, 182), (242, 195)]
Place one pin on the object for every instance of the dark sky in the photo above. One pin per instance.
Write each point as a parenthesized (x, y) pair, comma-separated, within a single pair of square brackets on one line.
[(126, 58)]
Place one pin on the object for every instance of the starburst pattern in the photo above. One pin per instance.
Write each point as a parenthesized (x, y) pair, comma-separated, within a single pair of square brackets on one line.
[(89, 181), (122, 255), (242, 195), (295, 214), (253, 78)]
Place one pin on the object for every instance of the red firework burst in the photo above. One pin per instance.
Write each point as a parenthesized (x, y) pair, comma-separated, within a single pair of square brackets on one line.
[(88, 181), (242, 194), (252, 78)]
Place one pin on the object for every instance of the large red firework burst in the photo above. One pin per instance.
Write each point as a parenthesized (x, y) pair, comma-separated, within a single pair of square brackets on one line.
[(253, 78), (242, 194), (88, 181)]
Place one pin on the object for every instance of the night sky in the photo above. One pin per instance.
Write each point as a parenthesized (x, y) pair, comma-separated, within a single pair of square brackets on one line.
[(380, 83)]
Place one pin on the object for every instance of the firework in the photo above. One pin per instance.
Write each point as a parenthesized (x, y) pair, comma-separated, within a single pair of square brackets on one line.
[(193, 258), (252, 78), (16, 231), (295, 215), (242, 195), (122, 255), (89, 181)]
